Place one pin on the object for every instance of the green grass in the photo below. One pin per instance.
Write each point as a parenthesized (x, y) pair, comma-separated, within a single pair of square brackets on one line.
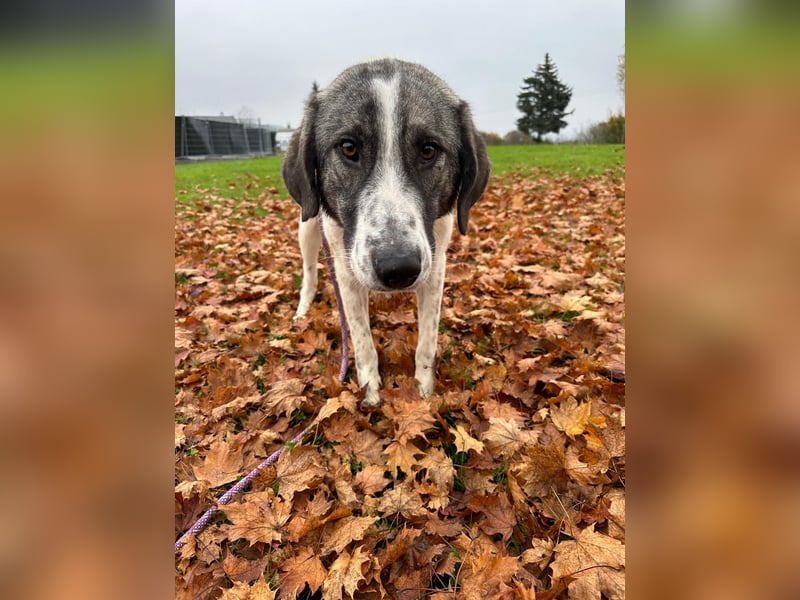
[(231, 178), (228, 178), (557, 159)]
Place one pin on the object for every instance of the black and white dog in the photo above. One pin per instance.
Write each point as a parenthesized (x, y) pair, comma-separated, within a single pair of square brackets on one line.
[(387, 152)]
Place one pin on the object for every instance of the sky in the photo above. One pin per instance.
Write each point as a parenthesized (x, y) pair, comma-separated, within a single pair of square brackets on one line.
[(259, 58)]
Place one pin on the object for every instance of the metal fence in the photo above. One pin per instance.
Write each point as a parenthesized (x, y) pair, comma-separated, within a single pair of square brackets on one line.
[(198, 137)]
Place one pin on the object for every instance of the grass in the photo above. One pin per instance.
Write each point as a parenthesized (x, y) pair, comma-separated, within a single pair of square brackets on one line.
[(229, 178), (241, 178), (558, 159)]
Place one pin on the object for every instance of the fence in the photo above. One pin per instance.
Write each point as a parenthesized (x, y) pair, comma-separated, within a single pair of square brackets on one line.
[(197, 137)]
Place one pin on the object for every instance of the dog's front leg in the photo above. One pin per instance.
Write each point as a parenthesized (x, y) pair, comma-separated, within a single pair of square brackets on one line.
[(310, 240), (355, 301), (429, 305)]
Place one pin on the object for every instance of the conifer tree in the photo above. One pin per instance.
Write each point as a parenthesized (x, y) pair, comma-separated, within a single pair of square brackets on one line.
[(543, 101)]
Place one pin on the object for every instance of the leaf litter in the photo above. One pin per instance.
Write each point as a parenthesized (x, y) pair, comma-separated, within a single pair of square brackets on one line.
[(509, 482)]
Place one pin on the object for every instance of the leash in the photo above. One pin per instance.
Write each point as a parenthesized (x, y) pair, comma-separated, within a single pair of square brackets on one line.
[(226, 498), (205, 519), (342, 318)]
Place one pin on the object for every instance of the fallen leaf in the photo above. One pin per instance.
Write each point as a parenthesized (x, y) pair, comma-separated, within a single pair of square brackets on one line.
[(243, 570), (260, 517), (345, 574), (298, 469), (303, 568), (464, 441), (402, 500), (221, 465), (345, 531), (414, 419), (242, 591), (594, 563), (283, 397), (505, 437)]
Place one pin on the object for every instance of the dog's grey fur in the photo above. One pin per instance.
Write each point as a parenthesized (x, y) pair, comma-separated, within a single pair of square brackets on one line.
[(387, 215)]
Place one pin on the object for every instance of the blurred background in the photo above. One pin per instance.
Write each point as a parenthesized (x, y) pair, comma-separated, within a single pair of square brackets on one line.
[(86, 297), (712, 286)]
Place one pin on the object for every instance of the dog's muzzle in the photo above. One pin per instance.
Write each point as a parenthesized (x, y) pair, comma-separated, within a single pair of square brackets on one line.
[(397, 268)]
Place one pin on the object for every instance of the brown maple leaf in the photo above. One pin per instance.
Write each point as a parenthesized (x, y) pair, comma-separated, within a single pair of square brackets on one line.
[(488, 575), (403, 500), (585, 473), (402, 456), (303, 568), (595, 564), (438, 479), (540, 552), (498, 516), (297, 470), (398, 547), (283, 397), (242, 570), (345, 574), (371, 479), (540, 470), (220, 466), (413, 419), (505, 437), (574, 418), (242, 591), (260, 517), (616, 514), (464, 441), (344, 532)]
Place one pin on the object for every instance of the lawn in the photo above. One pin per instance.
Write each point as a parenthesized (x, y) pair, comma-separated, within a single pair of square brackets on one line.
[(561, 159)]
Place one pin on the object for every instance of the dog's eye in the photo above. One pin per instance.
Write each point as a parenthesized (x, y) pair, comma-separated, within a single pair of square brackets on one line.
[(427, 153), (349, 150)]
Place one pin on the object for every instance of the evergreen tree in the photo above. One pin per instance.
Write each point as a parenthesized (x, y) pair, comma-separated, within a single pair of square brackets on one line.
[(543, 101)]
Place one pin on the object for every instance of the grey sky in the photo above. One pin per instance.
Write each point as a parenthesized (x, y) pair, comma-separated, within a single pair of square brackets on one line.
[(265, 55)]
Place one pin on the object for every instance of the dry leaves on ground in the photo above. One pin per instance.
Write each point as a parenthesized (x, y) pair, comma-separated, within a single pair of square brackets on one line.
[(507, 483)]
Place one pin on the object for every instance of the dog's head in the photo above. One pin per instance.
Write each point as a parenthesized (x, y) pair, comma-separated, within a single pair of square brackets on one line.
[(385, 150)]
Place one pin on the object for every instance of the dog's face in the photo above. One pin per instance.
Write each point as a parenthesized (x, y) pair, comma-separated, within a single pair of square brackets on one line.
[(386, 150)]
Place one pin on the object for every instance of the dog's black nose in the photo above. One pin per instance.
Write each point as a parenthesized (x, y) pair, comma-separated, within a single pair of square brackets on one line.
[(397, 269)]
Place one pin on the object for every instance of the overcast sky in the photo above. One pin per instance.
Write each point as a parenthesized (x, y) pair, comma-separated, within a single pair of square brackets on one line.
[(263, 56)]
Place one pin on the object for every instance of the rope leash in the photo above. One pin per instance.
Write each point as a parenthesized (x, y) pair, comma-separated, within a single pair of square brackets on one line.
[(342, 318), (206, 517)]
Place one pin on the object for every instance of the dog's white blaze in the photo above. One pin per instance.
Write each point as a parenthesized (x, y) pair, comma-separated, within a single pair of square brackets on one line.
[(387, 200), (387, 92)]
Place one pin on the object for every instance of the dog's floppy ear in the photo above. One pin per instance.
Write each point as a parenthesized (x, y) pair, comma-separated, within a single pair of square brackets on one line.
[(475, 166), (300, 163)]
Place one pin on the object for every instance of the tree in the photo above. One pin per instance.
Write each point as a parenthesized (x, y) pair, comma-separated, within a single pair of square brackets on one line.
[(621, 74), (610, 131), (543, 101), (490, 138), (517, 138)]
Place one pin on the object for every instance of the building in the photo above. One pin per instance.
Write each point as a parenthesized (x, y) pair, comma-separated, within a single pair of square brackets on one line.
[(197, 138)]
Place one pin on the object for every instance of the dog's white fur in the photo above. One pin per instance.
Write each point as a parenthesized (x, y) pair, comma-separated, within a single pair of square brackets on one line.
[(355, 300)]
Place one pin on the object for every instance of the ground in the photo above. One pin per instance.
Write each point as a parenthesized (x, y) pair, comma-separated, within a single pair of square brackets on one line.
[(508, 483)]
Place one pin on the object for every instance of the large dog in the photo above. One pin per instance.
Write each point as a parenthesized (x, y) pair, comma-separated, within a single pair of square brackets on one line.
[(383, 157)]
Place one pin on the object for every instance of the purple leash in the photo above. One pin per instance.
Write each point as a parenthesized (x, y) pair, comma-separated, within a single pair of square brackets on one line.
[(205, 519), (342, 319)]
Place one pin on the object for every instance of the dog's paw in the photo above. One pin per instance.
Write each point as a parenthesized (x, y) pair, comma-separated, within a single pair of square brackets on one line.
[(424, 379), (301, 311), (371, 399)]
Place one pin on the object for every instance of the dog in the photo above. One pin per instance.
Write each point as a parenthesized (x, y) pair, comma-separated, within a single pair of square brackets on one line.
[(383, 157)]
